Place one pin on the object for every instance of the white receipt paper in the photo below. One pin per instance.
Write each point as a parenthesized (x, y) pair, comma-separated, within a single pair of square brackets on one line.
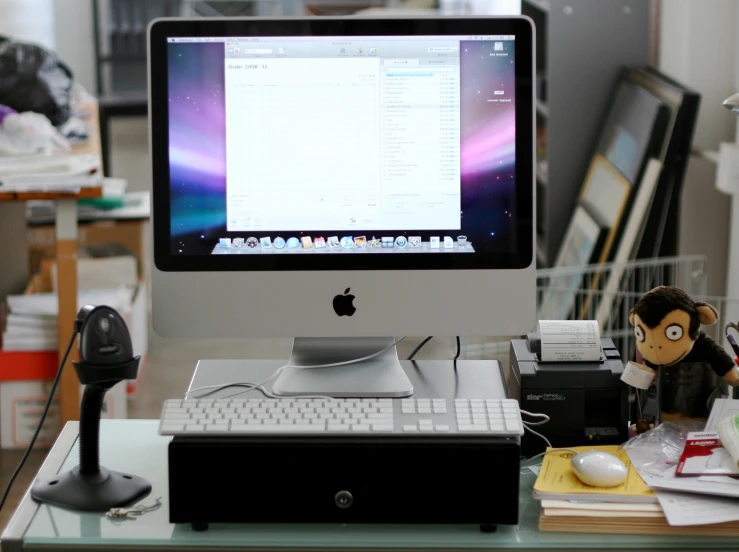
[(569, 341)]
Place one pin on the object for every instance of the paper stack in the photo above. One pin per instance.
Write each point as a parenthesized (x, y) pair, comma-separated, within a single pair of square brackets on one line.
[(49, 173), (567, 505), (31, 324)]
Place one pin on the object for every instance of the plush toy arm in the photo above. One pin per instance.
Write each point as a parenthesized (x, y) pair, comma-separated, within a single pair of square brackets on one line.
[(718, 358)]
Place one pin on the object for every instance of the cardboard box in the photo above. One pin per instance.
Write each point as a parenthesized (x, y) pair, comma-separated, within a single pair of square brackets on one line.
[(23, 402), (129, 233)]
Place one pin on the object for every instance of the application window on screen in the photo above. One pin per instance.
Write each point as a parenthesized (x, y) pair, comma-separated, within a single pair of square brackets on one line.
[(343, 135)]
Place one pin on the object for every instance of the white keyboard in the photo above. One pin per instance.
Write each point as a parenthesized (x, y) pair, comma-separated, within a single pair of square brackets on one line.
[(261, 416)]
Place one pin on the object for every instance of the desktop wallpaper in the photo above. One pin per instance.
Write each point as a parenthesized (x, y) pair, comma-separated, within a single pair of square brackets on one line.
[(198, 163)]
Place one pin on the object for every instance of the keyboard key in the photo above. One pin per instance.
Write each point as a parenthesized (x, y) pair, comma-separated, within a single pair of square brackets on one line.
[(380, 416), (439, 409), (178, 416), (338, 427), (286, 421), (194, 428), (512, 425), (222, 422), (410, 428), (424, 410), (302, 421), (442, 428), (361, 427), (471, 428), (278, 429), (383, 427)]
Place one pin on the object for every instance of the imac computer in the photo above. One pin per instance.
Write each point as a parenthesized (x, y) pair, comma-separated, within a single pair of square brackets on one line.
[(342, 180)]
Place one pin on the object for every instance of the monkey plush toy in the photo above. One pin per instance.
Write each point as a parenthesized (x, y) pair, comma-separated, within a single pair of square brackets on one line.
[(667, 328)]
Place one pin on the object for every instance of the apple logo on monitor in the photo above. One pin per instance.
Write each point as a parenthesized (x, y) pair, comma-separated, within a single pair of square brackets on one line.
[(344, 304)]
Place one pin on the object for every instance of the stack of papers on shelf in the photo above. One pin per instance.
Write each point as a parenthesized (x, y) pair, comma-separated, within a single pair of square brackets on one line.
[(134, 206), (629, 508), (645, 519), (31, 324), (49, 173)]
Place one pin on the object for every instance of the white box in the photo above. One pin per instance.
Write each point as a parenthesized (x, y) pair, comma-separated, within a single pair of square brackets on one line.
[(21, 406)]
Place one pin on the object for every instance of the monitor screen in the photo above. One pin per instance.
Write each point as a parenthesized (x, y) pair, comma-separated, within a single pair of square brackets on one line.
[(346, 152)]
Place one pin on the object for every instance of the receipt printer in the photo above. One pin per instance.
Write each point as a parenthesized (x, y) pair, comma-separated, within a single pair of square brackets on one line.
[(587, 402)]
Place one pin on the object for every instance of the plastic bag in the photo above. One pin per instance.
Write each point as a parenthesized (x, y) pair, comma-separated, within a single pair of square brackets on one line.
[(660, 448), (22, 133), (34, 79)]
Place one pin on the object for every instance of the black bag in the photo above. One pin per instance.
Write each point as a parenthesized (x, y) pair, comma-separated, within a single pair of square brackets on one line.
[(34, 79)]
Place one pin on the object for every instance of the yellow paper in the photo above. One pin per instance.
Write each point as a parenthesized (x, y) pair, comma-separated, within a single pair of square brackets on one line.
[(556, 476)]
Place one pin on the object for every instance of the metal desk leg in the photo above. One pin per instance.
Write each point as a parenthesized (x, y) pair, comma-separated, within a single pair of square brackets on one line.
[(66, 259)]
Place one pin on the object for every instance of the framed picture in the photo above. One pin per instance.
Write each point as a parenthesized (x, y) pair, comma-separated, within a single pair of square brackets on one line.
[(635, 222), (581, 246), (605, 195), (605, 191), (634, 129)]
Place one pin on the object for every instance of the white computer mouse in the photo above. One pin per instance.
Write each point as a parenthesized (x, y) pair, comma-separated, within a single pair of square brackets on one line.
[(599, 469)]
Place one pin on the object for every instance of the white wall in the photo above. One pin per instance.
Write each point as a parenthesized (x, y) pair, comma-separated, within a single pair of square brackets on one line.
[(698, 46), (28, 20), (75, 42)]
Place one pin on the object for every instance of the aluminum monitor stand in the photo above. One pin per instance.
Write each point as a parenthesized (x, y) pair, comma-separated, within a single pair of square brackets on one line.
[(381, 376)]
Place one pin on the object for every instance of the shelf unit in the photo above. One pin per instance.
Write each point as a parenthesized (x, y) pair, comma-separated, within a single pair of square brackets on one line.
[(581, 46)]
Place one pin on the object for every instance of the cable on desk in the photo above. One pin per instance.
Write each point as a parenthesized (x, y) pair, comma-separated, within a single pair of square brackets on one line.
[(459, 349), (250, 387), (40, 423)]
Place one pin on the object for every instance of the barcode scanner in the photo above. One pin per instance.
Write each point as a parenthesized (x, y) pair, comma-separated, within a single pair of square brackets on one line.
[(106, 358)]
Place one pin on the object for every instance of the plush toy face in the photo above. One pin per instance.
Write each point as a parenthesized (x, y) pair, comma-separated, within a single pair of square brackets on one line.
[(666, 324), (667, 343)]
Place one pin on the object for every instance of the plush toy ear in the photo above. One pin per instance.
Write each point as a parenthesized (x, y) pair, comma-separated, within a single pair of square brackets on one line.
[(631, 317), (707, 314)]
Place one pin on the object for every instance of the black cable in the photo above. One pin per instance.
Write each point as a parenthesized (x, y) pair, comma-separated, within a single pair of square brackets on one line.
[(459, 350), (41, 422), (420, 345)]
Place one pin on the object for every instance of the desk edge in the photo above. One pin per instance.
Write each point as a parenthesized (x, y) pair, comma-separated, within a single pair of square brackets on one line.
[(12, 537)]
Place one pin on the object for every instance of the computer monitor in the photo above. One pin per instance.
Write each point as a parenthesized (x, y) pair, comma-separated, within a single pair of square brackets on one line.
[(326, 178)]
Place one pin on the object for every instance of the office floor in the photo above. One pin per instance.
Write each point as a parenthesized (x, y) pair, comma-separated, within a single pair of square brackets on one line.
[(170, 361)]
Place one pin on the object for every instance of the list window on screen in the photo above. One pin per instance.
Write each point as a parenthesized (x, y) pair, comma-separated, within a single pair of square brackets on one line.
[(316, 143)]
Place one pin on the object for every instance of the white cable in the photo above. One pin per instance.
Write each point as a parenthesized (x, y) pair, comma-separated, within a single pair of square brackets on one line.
[(277, 372), (535, 415), (527, 428)]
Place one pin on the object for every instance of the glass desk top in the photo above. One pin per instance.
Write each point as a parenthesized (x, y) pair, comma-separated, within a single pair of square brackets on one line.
[(134, 446)]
